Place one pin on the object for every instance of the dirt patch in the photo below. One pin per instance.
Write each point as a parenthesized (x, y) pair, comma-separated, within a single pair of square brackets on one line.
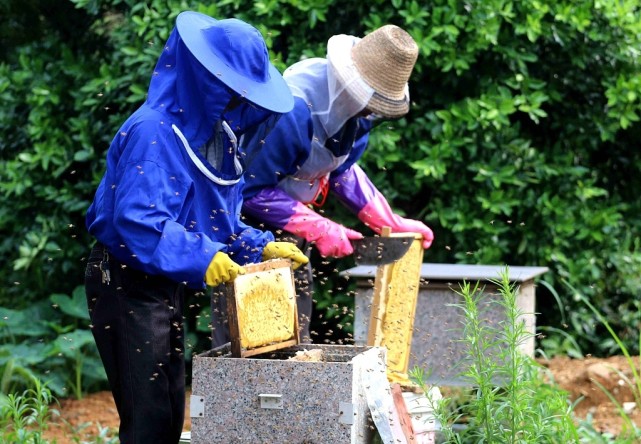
[(85, 418), (585, 381), (578, 377)]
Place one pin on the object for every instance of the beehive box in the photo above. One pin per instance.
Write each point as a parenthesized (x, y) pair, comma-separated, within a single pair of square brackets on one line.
[(272, 399)]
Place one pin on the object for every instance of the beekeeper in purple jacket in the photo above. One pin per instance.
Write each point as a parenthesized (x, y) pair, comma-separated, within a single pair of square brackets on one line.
[(312, 151), (166, 215)]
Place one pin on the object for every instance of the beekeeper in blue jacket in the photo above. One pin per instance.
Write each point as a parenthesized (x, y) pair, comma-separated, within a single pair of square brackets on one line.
[(166, 213)]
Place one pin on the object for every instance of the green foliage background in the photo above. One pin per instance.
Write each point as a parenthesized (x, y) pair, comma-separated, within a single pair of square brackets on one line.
[(521, 146)]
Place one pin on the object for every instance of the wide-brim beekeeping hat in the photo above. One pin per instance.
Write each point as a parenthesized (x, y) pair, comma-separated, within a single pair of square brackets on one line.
[(235, 52), (384, 60)]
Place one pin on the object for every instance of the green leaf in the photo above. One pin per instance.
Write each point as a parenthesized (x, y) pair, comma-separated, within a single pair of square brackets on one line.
[(26, 354), (22, 323), (72, 343), (75, 306), (82, 155)]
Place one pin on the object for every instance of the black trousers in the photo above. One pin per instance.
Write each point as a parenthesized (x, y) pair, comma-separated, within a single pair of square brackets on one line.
[(303, 280), (137, 325)]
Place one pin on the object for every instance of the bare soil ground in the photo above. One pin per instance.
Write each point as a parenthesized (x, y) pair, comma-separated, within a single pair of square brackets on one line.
[(581, 379), (83, 418)]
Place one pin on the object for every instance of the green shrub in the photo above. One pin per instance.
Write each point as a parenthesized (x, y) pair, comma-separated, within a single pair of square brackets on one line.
[(520, 146), (507, 396), (631, 432)]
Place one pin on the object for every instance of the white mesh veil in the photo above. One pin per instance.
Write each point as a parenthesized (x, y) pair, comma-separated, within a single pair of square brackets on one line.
[(344, 96)]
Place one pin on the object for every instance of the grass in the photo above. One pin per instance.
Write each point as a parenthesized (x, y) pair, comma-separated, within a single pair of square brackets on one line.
[(105, 435), (631, 433)]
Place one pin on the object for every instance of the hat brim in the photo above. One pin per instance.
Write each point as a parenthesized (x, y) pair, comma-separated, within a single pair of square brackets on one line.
[(391, 109), (339, 54), (273, 95)]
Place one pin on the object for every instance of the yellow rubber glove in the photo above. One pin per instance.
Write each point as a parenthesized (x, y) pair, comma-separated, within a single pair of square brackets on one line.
[(222, 269), (286, 250)]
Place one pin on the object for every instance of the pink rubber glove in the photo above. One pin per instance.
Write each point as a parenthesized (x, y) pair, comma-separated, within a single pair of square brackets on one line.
[(354, 189), (331, 239), (377, 214)]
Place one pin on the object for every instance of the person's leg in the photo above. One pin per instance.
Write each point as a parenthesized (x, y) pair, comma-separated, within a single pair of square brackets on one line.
[(176, 370), (137, 324)]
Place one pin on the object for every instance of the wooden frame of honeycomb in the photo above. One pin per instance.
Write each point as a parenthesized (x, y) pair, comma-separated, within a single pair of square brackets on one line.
[(391, 321), (262, 310)]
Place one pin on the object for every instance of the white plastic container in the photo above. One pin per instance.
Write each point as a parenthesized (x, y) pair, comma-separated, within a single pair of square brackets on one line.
[(421, 411)]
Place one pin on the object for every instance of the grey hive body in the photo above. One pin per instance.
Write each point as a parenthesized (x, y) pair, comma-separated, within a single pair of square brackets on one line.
[(436, 341), (302, 402)]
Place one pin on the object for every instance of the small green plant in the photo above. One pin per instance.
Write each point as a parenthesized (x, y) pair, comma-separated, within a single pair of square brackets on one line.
[(510, 400), (24, 417), (106, 435)]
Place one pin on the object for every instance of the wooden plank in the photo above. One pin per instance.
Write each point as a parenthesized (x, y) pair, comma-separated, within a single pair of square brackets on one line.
[(268, 348), (267, 265), (403, 414)]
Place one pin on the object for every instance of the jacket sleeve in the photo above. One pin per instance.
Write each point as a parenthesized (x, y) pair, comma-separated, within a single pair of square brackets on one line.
[(353, 188), (361, 197), (281, 211), (272, 206), (247, 246), (284, 150), (143, 206)]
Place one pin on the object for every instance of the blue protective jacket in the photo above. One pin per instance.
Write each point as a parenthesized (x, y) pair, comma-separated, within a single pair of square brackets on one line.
[(292, 154), (161, 207)]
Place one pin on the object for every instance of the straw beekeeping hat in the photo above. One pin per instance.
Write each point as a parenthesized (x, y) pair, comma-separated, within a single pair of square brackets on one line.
[(383, 60)]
